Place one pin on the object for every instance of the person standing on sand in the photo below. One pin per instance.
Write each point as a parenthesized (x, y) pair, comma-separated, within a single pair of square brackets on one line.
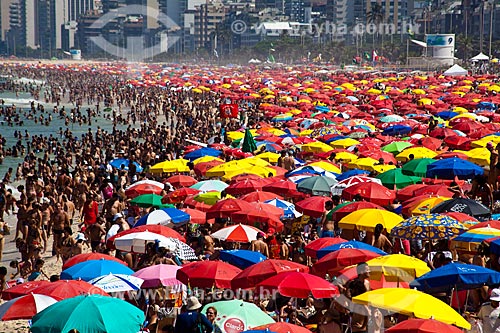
[(60, 221), (259, 245)]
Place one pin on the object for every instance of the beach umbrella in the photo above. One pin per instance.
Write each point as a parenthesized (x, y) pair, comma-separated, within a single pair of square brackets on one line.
[(367, 219), (313, 206), (350, 273), (241, 258), (252, 275), (353, 180), (205, 151), (417, 152), (449, 168), (149, 200), (352, 172), (317, 185), (300, 285), (327, 166), (113, 283), (159, 276), (136, 242), (469, 241), (138, 189), (463, 205), (123, 163), (201, 168), (178, 181), (282, 327), (422, 205), (397, 130), (207, 274), (197, 216), (245, 186), (289, 211), (238, 313), (210, 185), (417, 167), (25, 307), (428, 226), (209, 198), (89, 314), (261, 196), (395, 178), (63, 289), (317, 244), (160, 230), (412, 303), (414, 325), (348, 245), (397, 267), (433, 190), (224, 208), (179, 195), (22, 289), (249, 145), (372, 192), (456, 276), (240, 233), (469, 221), (281, 187), (191, 203), (336, 261), (164, 216), (339, 213), (205, 159), (89, 256), (179, 165), (88, 270)]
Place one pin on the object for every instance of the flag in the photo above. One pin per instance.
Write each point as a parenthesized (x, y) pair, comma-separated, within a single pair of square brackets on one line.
[(374, 55), (271, 58), (411, 33), (228, 110), (366, 55), (249, 145), (216, 54)]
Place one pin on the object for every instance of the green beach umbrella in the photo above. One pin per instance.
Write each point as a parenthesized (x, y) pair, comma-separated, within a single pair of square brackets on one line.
[(396, 147), (395, 177), (89, 314), (249, 145), (317, 185), (417, 167), (149, 200), (237, 313)]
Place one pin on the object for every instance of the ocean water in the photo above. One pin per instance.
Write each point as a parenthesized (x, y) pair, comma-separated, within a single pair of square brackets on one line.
[(23, 101)]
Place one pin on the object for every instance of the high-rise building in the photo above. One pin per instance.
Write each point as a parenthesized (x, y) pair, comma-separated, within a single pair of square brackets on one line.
[(207, 17), (5, 17), (76, 8)]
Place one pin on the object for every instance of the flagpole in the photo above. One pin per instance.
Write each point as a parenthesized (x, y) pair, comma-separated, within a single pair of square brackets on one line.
[(407, 52)]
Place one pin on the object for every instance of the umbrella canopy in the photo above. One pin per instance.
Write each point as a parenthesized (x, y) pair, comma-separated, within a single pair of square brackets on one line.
[(179, 195), (149, 200), (237, 233), (140, 188), (347, 208), (414, 325), (348, 245), (136, 242), (449, 168), (372, 192), (123, 164), (463, 205), (207, 274), (417, 167), (396, 178), (428, 226), (412, 303), (89, 314), (261, 196), (25, 307), (237, 313), (470, 240), (205, 151), (90, 256), (159, 276), (63, 289), (164, 216), (22, 289), (367, 219), (178, 181), (251, 276), (300, 285), (317, 185), (91, 269), (396, 147), (353, 180), (456, 276), (397, 267), (241, 258), (313, 206), (336, 261), (210, 185), (289, 211), (282, 327), (317, 244), (153, 228), (224, 208), (117, 282)]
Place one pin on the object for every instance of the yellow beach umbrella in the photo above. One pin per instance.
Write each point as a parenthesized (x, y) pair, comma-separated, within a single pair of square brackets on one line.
[(479, 156), (326, 166), (316, 147), (207, 158), (412, 303), (425, 206), (269, 156), (345, 156), (418, 91), (261, 171), (417, 152), (381, 168), (367, 219), (344, 143), (365, 163), (179, 165), (398, 267), (460, 109), (221, 169)]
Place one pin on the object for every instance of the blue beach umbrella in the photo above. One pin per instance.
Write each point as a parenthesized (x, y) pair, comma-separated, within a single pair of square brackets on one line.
[(397, 130), (202, 152), (448, 168), (241, 258), (165, 216), (458, 276), (447, 114), (288, 208), (350, 173), (91, 269), (117, 163), (348, 245)]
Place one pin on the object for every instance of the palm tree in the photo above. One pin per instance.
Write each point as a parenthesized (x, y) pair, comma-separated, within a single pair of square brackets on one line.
[(375, 16)]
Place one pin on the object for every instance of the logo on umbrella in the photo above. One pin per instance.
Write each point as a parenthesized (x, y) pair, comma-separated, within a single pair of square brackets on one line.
[(234, 325)]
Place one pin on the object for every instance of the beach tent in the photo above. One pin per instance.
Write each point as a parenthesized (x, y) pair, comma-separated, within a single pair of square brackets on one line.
[(455, 70), (480, 57)]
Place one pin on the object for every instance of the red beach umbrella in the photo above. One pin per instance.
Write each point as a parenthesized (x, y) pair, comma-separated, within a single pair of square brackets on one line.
[(207, 274), (22, 289), (372, 192), (338, 260), (320, 243), (90, 256), (224, 208), (181, 181), (63, 289), (415, 325), (300, 285), (313, 206)]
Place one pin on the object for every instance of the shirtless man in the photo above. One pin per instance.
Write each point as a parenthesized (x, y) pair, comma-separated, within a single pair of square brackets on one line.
[(47, 212), (95, 233), (208, 245), (59, 221), (68, 206), (259, 245)]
